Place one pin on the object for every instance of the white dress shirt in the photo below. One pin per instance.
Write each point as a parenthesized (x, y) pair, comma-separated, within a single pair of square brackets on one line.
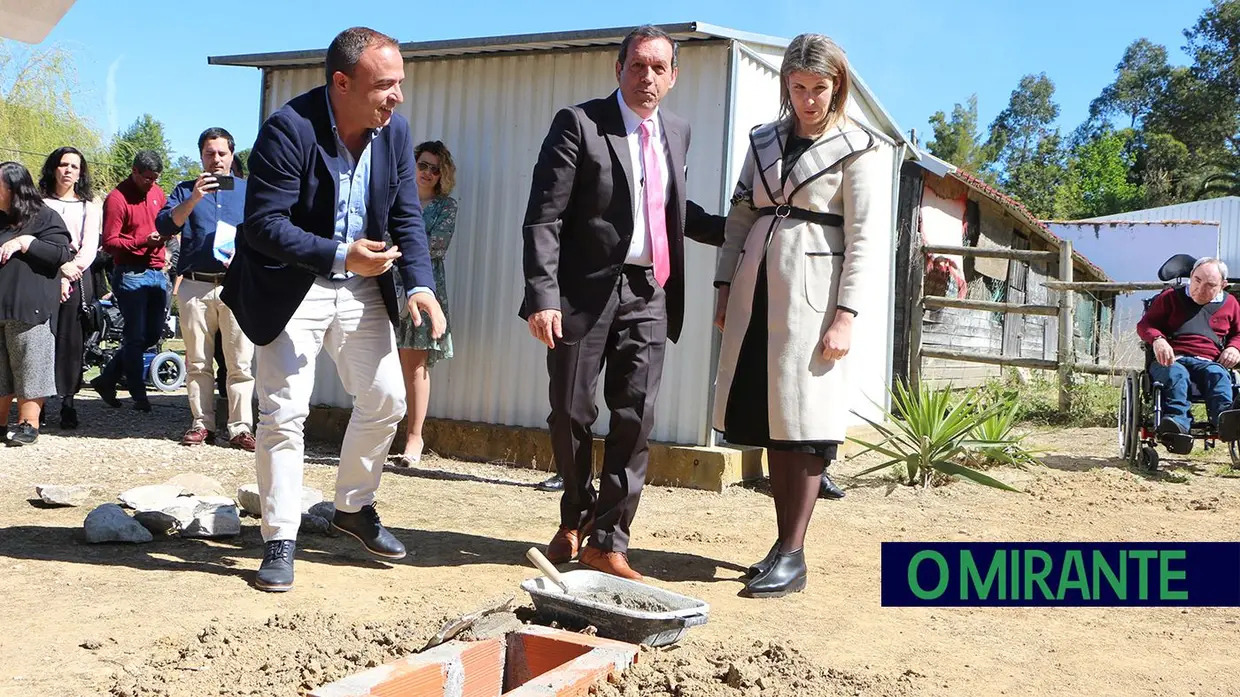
[(639, 246)]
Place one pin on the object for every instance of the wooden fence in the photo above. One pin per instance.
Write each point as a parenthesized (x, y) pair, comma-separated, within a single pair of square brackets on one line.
[(1065, 363)]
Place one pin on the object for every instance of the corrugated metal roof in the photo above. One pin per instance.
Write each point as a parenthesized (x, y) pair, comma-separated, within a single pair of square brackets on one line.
[(682, 32)]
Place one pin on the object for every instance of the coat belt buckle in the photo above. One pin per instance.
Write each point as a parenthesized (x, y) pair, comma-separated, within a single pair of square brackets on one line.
[(783, 211)]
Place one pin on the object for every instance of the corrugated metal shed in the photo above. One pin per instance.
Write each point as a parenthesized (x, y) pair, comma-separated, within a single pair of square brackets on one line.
[(1224, 211), (491, 101)]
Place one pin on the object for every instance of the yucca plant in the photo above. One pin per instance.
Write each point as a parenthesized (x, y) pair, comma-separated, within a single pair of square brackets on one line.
[(929, 433), (1000, 427)]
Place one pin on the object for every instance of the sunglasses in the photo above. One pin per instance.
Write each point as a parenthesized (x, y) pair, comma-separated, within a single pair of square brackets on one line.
[(424, 166)]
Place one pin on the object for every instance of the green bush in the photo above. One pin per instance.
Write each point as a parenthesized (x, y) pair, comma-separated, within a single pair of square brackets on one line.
[(1094, 401)]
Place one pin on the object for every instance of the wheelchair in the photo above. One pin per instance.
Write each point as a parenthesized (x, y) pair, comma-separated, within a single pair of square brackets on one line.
[(1140, 405), (104, 331)]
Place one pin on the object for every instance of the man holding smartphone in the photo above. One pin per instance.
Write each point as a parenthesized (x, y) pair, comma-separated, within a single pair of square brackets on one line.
[(206, 213)]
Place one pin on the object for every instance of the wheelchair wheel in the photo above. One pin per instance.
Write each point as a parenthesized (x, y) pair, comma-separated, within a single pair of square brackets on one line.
[(1233, 448), (167, 372), (1129, 419), (1148, 459)]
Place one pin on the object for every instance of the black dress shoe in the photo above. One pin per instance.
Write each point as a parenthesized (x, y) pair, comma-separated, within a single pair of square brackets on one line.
[(68, 418), (786, 575), (142, 405), (827, 489), (276, 572), (760, 568), (106, 393), (555, 483), (365, 526), (1173, 437)]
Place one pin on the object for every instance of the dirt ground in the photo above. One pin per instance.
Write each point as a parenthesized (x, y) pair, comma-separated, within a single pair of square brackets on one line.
[(179, 617)]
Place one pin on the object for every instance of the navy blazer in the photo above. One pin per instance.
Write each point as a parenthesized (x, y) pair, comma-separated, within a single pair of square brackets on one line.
[(290, 216)]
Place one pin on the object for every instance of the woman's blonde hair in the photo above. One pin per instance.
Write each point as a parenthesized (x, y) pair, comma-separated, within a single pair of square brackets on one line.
[(817, 55), (447, 168)]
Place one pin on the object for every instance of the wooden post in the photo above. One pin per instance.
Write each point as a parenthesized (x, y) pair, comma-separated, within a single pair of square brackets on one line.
[(1067, 353), (916, 309)]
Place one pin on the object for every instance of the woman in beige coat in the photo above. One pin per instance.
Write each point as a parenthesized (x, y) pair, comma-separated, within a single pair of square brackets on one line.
[(792, 276)]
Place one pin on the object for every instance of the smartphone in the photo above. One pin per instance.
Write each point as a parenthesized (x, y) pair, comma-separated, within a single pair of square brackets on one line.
[(226, 182)]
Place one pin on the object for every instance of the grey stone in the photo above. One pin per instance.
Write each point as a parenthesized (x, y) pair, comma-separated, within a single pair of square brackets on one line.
[(217, 500), (152, 497), (214, 520), (326, 510), (110, 523), (249, 500), (198, 484), (314, 524), (64, 495)]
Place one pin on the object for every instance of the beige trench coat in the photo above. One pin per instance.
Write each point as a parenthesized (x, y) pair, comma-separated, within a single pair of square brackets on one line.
[(811, 269)]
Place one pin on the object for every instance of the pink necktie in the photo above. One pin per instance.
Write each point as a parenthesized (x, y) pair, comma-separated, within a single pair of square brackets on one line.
[(656, 215)]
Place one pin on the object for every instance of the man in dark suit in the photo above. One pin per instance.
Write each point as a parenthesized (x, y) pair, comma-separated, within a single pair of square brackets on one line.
[(604, 284), (331, 172)]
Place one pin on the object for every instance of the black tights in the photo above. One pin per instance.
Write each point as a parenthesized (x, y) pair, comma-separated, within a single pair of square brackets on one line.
[(795, 479)]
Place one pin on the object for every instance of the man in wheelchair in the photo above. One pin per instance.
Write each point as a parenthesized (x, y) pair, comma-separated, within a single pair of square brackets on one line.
[(1194, 332)]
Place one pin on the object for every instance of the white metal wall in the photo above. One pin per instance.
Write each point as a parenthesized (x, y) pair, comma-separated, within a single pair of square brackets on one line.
[(493, 113), (1225, 211)]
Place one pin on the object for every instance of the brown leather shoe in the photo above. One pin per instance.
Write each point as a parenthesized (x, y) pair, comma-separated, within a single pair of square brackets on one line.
[(614, 563), (563, 547), (244, 441), (197, 436)]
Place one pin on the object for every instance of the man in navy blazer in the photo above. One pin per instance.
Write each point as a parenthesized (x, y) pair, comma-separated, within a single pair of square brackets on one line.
[(330, 173)]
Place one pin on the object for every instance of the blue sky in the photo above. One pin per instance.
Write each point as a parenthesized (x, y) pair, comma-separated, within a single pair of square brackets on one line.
[(918, 57)]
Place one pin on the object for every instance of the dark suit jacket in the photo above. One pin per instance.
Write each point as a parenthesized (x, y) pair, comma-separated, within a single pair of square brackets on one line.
[(290, 215), (579, 219)]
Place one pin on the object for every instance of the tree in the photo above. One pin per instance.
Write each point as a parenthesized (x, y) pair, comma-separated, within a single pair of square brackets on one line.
[(956, 139), (243, 156), (1035, 180), (1141, 78), (1214, 44), (1097, 180), (145, 133), (37, 113), (1027, 153)]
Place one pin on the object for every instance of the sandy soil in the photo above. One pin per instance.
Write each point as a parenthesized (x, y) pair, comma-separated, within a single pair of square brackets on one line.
[(178, 617)]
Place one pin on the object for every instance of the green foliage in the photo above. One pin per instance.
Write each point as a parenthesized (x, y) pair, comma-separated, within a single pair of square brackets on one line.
[(1094, 402), (929, 433), (1036, 179), (1140, 81), (1000, 427), (956, 138), (37, 113), (1097, 180)]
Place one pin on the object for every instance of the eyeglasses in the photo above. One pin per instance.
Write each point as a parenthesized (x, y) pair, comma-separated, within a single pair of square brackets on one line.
[(424, 166)]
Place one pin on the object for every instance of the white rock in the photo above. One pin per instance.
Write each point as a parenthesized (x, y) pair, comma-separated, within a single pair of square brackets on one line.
[(213, 520), (217, 500), (62, 495), (152, 497), (110, 523), (198, 485), (310, 497), (249, 500)]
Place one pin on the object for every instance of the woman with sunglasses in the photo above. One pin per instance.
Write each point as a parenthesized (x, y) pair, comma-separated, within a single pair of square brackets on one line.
[(418, 350)]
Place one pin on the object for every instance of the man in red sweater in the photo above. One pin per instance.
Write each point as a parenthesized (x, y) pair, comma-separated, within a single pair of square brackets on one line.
[(139, 286), (1195, 334)]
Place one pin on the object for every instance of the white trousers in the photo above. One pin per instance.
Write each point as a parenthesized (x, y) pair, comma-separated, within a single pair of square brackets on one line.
[(202, 314), (349, 320)]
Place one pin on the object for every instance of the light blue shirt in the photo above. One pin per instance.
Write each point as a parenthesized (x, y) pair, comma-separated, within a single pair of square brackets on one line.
[(352, 199)]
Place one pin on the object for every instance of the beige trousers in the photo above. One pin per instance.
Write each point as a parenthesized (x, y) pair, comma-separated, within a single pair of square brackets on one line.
[(202, 314)]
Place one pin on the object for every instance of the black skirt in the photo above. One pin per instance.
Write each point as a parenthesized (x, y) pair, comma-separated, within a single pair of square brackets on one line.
[(747, 417)]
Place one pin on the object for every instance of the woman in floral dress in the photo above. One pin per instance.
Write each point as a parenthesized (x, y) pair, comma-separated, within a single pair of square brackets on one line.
[(418, 351)]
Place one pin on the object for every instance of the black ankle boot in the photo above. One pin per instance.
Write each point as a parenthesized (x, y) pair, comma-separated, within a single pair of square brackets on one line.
[(760, 568), (786, 575)]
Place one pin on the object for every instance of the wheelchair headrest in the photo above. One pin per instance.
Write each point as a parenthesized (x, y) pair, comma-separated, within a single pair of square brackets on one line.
[(1178, 266)]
